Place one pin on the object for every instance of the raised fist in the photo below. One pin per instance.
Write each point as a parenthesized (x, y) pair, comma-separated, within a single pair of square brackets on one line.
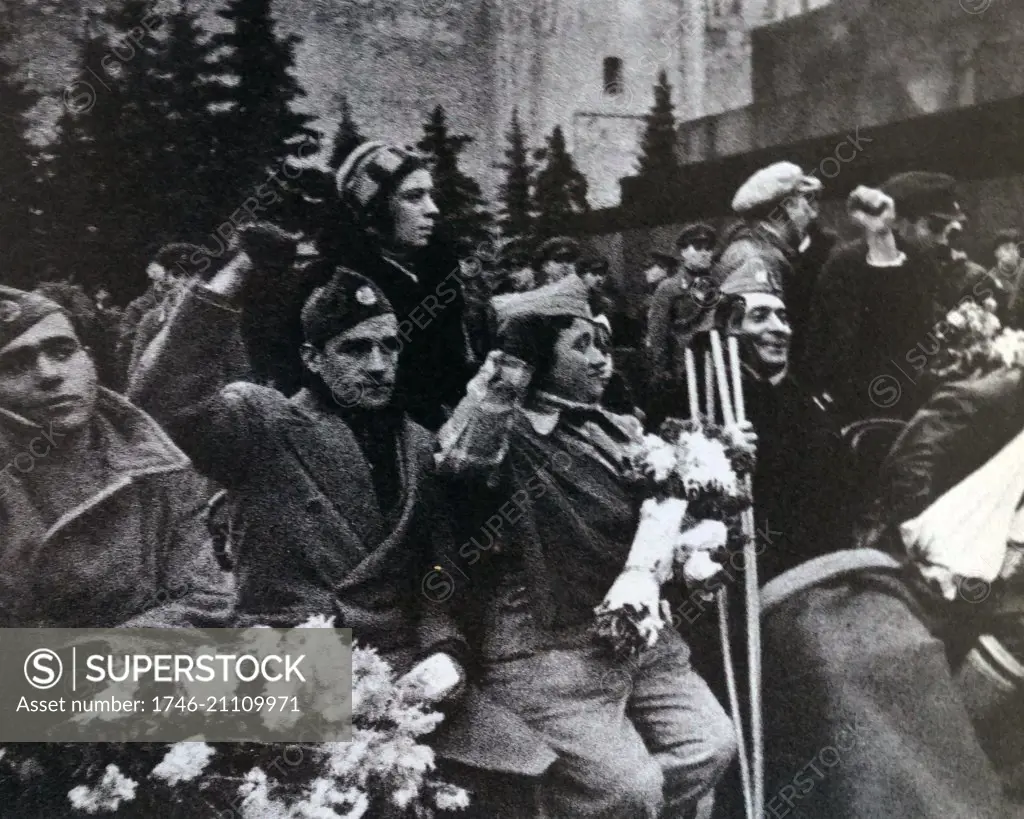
[(871, 208)]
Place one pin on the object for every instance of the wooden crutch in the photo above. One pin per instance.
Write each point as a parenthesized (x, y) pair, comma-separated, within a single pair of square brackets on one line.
[(752, 593), (721, 594)]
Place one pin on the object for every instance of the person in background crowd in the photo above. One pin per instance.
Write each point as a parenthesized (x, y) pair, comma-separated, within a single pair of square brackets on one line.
[(557, 258), (593, 271), (518, 274), (1007, 273), (662, 266), (780, 236), (102, 514), (388, 222), (170, 269), (879, 298), (532, 418), (864, 649), (671, 309), (96, 327)]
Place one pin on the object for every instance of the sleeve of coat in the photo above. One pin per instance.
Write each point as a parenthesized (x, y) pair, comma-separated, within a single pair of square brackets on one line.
[(191, 589), (833, 327), (657, 327), (188, 381), (438, 626), (966, 419)]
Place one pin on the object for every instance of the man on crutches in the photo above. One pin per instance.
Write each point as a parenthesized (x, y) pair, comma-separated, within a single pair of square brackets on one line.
[(743, 364)]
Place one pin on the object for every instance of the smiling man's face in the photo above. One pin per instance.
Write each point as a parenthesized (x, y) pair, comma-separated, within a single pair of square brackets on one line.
[(765, 333), (48, 377)]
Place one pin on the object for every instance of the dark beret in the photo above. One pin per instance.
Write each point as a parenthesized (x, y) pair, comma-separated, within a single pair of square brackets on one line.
[(345, 301), (918, 193)]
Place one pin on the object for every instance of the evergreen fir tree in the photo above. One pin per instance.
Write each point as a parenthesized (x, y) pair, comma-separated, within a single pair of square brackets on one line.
[(561, 190), (196, 193), (657, 148), (260, 125), (87, 186), (18, 184), (517, 209), (346, 137), (464, 222)]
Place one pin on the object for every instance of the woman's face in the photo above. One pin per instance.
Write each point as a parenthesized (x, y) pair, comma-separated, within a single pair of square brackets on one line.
[(581, 364)]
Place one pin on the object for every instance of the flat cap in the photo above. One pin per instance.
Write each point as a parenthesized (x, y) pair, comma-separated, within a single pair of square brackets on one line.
[(773, 184)]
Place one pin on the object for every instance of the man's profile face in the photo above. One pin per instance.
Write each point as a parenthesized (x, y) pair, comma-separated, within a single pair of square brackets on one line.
[(1008, 254), (654, 274), (523, 279), (555, 270), (413, 210), (801, 212), (360, 366), (48, 377), (695, 257)]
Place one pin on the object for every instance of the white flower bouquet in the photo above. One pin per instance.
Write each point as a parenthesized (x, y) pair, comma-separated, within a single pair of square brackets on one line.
[(385, 771), (965, 339), (695, 495)]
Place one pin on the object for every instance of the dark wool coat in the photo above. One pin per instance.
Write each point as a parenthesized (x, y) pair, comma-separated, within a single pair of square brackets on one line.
[(860, 657), (872, 332), (135, 553), (309, 533)]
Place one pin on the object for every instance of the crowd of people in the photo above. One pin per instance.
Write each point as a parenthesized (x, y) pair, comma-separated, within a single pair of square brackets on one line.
[(375, 431)]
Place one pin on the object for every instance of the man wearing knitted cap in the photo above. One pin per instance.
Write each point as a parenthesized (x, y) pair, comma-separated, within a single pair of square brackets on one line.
[(779, 232), (879, 298), (101, 513), (333, 505), (388, 232)]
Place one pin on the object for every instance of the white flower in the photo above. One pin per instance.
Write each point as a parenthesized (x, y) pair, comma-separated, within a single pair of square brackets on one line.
[(113, 789), (659, 457), (1008, 348), (449, 797), (318, 621), (956, 319), (256, 802), (700, 567), (703, 464), (707, 535), (183, 762)]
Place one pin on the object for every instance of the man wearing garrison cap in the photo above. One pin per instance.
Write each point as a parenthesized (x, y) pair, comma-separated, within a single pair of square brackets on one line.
[(780, 232), (880, 297), (99, 510), (331, 492)]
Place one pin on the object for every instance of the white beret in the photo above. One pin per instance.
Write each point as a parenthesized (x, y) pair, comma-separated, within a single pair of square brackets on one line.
[(772, 184)]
